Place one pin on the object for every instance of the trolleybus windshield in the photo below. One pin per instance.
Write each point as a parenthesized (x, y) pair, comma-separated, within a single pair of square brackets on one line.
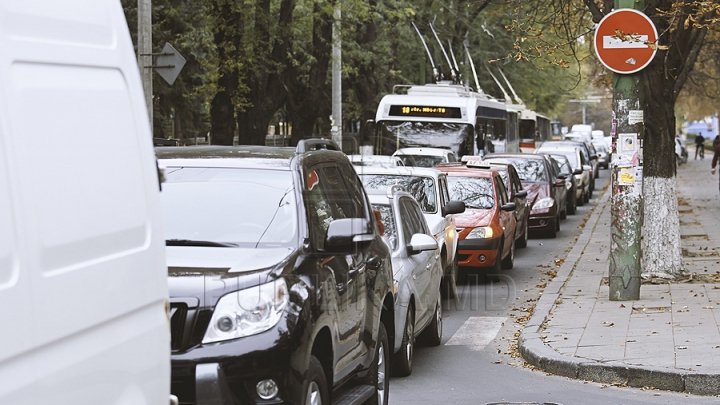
[(393, 135)]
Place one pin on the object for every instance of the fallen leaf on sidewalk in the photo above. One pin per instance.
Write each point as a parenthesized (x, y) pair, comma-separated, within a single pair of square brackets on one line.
[(497, 361), (709, 307), (622, 305), (682, 347), (609, 325)]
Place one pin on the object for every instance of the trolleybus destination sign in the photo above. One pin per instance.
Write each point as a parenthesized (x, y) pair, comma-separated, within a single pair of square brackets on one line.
[(625, 41), (425, 111)]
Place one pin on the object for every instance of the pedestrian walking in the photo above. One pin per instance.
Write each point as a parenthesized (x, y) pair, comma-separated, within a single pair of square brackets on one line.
[(699, 146), (716, 141)]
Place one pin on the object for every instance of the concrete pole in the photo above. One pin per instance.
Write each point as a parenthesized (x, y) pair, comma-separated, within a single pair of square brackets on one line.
[(336, 129), (145, 60), (626, 200)]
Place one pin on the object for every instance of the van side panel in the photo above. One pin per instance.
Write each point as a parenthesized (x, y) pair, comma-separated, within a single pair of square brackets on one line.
[(83, 280)]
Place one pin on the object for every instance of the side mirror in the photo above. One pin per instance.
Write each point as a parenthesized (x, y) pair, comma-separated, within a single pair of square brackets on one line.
[(562, 176), (346, 235), (453, 207), (421, 243), (593, 157), (508, 207), (577, 171), (521, 194), (587, 168)]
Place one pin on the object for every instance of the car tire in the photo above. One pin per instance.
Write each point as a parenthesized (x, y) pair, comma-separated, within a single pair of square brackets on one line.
[(522, 242), (379, 373), (432, 335), (553, 228), (509, 261), (450, 279), (315, 390), (402, 363), (572, 206)]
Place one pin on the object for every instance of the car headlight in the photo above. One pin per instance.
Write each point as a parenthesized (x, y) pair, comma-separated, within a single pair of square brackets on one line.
[(248, 312), (544, 203), (480, 233)]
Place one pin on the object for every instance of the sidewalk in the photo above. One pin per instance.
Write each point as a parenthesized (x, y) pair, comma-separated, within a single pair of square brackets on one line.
[(669, 339)]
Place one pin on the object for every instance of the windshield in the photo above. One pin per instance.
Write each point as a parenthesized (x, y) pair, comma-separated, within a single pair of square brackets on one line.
[(529, 170), (388, 220), (421, 160), (475, 192), (394, 135), (238, 207), (422, 188)]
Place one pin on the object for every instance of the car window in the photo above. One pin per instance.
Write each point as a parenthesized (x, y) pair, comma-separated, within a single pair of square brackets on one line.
[(563, 163), (356, 192), (475, 192), (421, 160), (416, 217), (420, 187), (504, 177), (327, 199), (444, 192), (529, 170), (451, 158), (244, 207), (388, 220), (406, 222), (502, 192)]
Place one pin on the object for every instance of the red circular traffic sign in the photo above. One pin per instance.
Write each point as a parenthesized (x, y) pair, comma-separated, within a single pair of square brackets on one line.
[(623, 39)]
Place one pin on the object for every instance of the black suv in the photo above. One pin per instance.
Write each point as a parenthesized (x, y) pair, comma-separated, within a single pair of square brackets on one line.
[(280, 284)]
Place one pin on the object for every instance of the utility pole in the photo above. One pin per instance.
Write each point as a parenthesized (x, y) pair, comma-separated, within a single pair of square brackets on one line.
[(336, 129), (145, 59), (626, 54)]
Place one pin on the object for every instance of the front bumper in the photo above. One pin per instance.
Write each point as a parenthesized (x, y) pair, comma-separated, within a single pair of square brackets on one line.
[(478, 252), (542, 221), (227, 373)]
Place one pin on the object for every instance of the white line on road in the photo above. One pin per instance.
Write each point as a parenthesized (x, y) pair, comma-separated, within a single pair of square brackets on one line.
[(477, 332)]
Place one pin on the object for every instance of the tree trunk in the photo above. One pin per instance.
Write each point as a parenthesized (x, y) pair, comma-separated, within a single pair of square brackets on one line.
[(662, 254), (309, 99), (222, 110)]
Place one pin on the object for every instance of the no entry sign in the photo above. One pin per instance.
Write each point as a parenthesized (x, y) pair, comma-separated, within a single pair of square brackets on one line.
[(623, 41)]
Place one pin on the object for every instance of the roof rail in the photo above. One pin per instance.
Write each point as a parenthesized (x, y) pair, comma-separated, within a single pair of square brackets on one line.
[(305, 145)]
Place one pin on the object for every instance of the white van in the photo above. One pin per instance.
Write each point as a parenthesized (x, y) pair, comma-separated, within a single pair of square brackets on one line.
[(83, 280)]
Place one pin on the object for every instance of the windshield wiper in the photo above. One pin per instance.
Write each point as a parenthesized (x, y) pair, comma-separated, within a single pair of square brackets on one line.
[(189, 242)]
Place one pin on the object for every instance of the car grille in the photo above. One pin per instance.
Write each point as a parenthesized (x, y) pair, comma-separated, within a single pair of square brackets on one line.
[(187, 323)]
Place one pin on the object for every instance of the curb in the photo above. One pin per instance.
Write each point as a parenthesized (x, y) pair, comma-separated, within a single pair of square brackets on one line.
[(537, 353)]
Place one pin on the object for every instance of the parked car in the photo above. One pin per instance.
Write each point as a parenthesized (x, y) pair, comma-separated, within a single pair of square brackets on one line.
[(589, 157), (681, 152), (281, 287), (417, 273), (425, 157), (574, 193), (376, 160), (545, 187), (487, 227), (429, 187), (516, 194), (602, 153), (578, 164)]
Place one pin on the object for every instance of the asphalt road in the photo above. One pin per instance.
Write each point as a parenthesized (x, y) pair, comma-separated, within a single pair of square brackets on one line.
[(477, 363)]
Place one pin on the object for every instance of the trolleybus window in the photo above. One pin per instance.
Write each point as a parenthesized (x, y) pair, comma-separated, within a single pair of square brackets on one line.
[(393, 135)]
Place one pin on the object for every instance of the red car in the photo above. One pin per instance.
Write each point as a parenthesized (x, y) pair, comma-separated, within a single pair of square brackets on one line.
[(486, 229)]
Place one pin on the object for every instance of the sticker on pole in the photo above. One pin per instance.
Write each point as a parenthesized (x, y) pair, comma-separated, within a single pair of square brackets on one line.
[(625, 41)]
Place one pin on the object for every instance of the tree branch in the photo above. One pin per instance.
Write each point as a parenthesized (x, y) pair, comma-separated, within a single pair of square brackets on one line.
[(478, 10), (697, 41), (594, 10)]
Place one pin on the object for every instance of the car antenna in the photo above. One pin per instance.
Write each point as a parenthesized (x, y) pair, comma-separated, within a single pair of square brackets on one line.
[(436, 74), (507, 96), (517, 99), (453, 72), (474, 71)]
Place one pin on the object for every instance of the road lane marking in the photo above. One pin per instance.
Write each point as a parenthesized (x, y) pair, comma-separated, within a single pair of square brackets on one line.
[(477, 332)]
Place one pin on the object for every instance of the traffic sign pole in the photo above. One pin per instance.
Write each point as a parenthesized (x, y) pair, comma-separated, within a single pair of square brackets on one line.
[(626, 201)]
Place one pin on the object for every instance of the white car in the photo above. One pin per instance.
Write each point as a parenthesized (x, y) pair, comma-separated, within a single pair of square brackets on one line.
[(577, 161), (417, 274), (430, 189), (425, 157), (376, 160)]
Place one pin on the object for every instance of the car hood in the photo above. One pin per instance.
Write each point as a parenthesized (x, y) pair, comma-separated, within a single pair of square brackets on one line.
[(536, 191), (208, 273), (473, 217)]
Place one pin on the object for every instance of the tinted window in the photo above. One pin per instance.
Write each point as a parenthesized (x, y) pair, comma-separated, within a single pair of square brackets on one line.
[(475, 192), (421, 160), (420, 187), (563, 163), (415, 217), (248, 207)]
